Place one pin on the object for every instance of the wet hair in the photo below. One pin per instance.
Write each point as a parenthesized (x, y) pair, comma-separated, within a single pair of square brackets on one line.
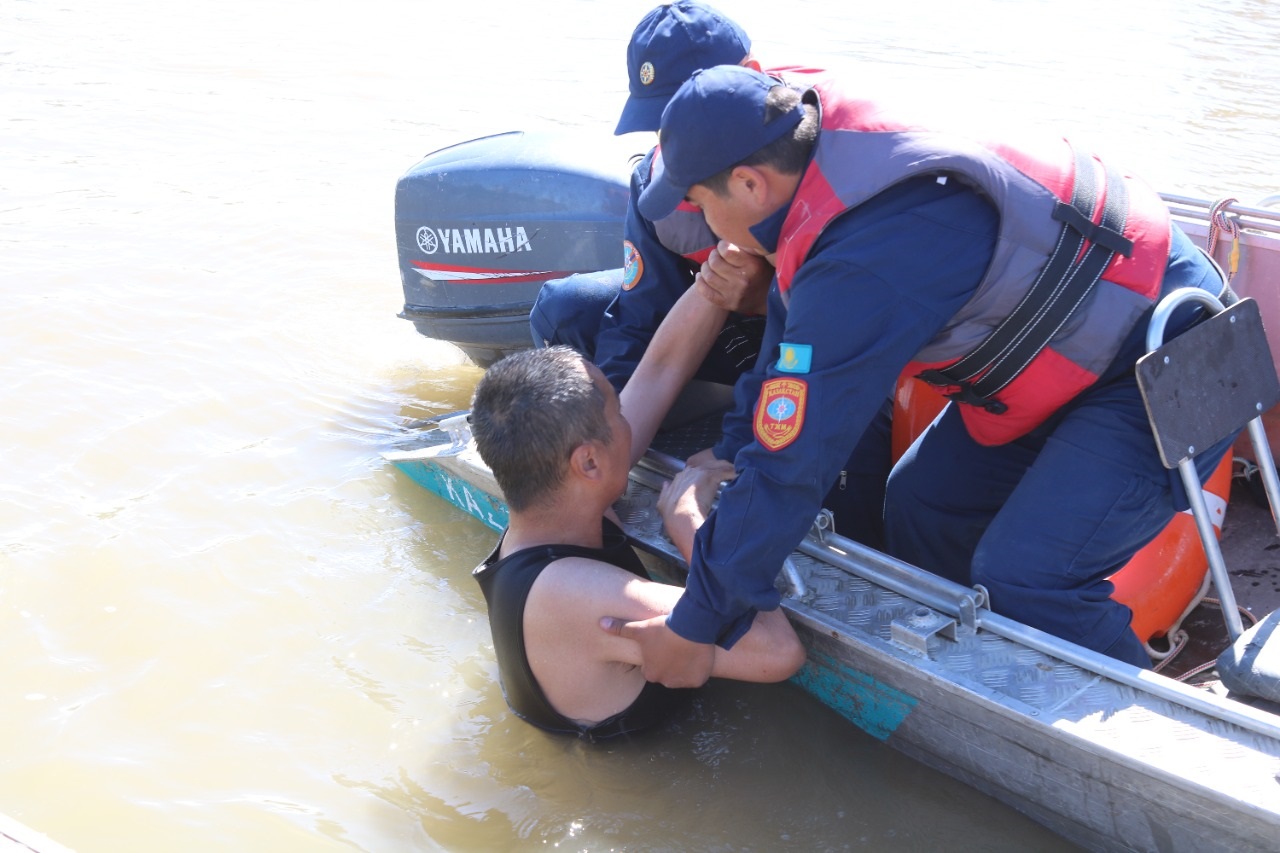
[(531, 410), (789, 153)]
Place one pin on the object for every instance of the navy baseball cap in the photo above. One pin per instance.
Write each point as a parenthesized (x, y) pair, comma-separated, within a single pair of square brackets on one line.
[(668, 45), (716, 120)]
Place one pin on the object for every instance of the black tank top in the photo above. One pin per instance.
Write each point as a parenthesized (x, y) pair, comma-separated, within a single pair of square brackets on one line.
[(506, 583)]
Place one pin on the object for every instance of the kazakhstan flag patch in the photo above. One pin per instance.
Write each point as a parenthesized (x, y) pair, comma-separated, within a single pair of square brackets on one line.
[(795, 358)]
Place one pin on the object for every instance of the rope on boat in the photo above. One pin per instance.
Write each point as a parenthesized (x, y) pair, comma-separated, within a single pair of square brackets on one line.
[(1181, 638), (1220, 223), (1178, 643)]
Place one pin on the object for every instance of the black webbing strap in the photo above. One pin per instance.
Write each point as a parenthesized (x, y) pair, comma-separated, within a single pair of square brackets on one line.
[(1061, 287)]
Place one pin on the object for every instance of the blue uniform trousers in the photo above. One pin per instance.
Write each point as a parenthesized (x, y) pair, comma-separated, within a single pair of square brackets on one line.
[(568, 310), (1042, 522), (856, 500)]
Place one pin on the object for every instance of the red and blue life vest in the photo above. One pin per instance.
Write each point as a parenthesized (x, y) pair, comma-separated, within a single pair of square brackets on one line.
[(1080, 255)]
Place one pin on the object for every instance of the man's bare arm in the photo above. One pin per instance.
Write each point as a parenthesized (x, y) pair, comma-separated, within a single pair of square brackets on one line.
[(769, 651), (672, 357)]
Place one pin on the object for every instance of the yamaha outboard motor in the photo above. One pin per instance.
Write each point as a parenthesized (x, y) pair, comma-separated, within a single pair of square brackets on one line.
[(482, 224)]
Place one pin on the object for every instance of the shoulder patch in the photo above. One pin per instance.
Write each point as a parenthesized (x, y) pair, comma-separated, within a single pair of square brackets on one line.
[(795, 358), (780, 412), (632, 265)]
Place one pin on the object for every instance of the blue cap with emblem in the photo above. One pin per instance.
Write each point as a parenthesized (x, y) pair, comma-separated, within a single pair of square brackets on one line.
[(668, 45), (717, 119)]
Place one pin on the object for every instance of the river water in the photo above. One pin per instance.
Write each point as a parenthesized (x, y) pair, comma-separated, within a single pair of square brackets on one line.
[(226, 622)]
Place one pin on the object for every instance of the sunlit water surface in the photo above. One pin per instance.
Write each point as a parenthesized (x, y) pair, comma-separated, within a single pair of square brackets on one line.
[(227, 623)]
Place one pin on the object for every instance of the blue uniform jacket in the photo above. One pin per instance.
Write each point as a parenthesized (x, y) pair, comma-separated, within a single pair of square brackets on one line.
[(878, 284), (635, 314)]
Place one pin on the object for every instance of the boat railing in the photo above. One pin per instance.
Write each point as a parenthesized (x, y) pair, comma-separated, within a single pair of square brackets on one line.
[(971, 610), (954, 599), (1252, 218)]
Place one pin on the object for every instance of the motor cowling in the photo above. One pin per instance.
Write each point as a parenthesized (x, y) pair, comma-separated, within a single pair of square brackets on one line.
[(482, 224)]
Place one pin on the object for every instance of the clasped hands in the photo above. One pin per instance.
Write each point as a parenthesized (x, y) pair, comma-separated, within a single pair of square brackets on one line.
[(735, 279)]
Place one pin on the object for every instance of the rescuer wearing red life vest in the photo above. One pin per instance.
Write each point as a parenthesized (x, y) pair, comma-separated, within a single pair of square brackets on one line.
[(1019, 282)]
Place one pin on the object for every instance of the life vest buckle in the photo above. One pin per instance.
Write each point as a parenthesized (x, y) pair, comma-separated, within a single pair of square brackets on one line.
[(962, 392)]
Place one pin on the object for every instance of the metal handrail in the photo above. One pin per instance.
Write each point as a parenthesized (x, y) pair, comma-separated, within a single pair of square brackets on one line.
[(942, 595), (1250, 217)]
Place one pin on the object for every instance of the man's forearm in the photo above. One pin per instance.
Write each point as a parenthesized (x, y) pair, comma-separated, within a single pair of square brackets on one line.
[(673, 356)]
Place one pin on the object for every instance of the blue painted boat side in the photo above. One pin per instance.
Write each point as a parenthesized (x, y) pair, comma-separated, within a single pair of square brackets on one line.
[(456, 491), (1079, 749), (870, 704)]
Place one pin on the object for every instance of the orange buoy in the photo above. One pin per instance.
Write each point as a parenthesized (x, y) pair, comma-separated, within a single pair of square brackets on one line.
[(1162, 583)]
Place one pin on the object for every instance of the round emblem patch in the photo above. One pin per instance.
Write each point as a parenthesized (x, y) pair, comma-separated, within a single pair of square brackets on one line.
[(632, 265), (646, 73), (780, 412)]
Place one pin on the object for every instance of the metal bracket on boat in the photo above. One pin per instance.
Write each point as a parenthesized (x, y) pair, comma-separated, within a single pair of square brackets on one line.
[(458, 428), (824, 523), (914, 629), (968, 607)]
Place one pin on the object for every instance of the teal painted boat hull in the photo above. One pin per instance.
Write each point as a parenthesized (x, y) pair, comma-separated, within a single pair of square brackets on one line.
[(1106, 755)]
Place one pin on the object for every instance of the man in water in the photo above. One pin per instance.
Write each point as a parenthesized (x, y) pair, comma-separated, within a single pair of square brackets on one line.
[(555, 435)]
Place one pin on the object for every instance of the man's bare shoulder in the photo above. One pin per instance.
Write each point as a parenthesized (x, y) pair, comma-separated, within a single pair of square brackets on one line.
[(580, 581)]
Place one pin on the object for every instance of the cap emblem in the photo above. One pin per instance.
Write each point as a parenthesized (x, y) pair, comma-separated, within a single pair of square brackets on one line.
[(646, 73)]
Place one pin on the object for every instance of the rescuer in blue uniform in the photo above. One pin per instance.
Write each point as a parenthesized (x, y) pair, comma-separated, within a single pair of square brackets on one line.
[(610, 316), (896, 247)]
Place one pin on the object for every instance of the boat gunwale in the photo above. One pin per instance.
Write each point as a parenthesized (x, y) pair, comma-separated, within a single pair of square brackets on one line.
[(921, 587), (1247, 217)]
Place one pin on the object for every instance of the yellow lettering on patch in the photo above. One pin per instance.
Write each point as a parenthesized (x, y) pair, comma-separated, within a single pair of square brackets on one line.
[(780, 412)]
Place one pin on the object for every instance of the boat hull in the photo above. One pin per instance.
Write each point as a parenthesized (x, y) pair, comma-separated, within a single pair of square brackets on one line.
[(1104, 765), (1106, 755), (1102, 753)]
